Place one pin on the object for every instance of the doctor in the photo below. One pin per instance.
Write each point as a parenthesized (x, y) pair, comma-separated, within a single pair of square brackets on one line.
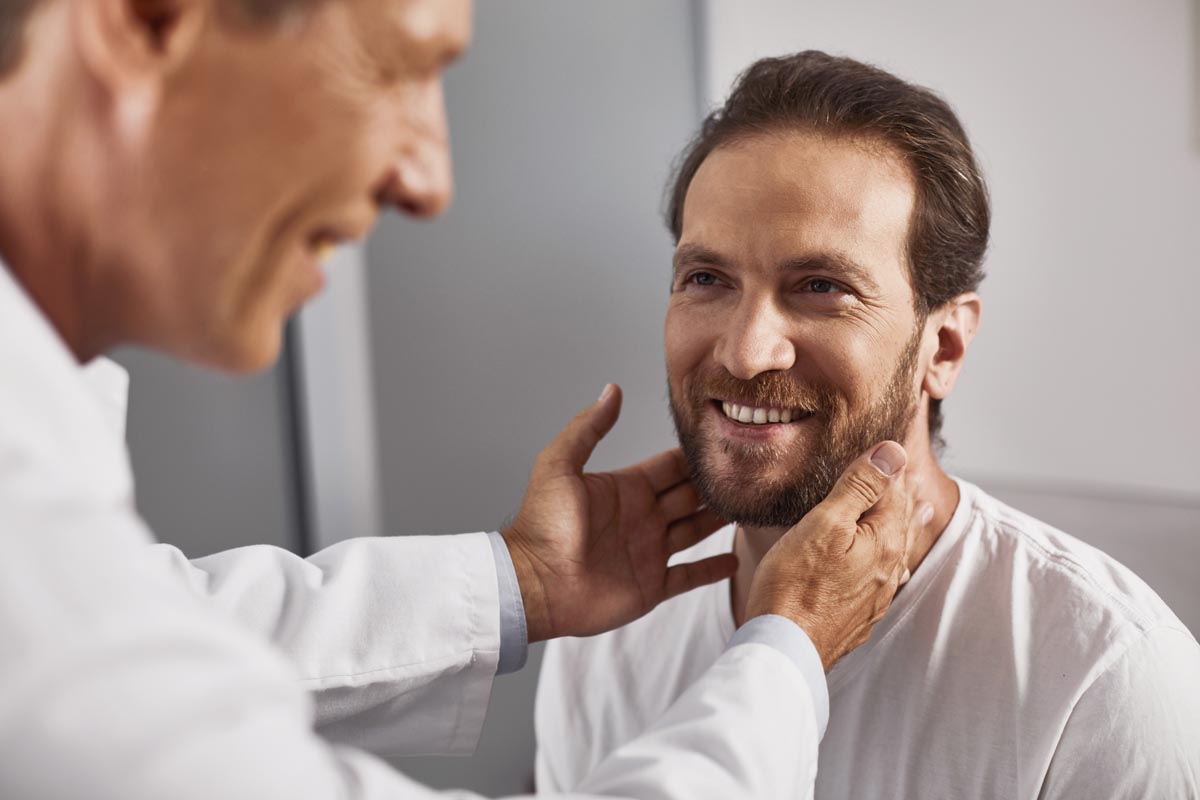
[(172, 173)]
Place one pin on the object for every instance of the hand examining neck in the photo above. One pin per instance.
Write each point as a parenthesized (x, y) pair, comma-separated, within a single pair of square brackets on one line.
[(750, 544)]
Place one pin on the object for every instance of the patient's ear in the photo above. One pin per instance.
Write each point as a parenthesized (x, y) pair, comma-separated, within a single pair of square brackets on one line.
[(955, 325), (131, 47)]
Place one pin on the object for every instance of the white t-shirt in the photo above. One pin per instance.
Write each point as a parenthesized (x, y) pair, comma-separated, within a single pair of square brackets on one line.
[(1017, 663)]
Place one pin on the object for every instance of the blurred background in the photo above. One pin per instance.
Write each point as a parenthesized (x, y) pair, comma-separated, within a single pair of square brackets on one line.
[(415, 394)]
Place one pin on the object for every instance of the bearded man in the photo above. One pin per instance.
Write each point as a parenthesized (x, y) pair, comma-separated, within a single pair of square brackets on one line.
[(830, 225)]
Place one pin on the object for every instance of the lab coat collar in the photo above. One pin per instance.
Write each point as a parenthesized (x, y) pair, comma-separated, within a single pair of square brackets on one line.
[(109, 382)]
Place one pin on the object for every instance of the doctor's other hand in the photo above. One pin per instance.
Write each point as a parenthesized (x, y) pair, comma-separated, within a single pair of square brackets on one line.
[(836, 571), (591, 549)]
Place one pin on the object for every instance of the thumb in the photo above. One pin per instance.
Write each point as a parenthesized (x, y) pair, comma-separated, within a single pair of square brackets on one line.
[(865, 480), (573, 447)]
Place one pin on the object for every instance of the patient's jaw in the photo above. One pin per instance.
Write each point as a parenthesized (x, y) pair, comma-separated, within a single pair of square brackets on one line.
[(791, 295)]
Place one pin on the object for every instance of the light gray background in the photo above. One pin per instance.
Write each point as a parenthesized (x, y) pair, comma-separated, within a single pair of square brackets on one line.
[(431, 380), (548, 278)]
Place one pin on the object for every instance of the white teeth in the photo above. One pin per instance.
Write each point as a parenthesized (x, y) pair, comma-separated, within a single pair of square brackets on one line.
[(759, 416), (325, 251)]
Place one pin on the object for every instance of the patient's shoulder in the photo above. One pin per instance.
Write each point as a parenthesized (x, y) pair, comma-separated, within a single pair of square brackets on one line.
[(1059, 568)]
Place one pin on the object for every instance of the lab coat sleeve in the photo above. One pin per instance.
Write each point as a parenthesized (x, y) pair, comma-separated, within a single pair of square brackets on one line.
[(1135, 732), (748, 728), (397, 639), (117, 682)]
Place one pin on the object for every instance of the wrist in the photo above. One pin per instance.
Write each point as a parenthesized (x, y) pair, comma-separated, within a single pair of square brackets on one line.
[(781, 607), (533, 589)]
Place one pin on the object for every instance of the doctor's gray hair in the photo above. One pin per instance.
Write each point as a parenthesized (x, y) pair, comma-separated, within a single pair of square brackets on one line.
[(14, 15), (814, 91)]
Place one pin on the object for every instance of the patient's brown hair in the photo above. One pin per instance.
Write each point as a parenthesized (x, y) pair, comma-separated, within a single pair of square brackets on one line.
[(814, 91)]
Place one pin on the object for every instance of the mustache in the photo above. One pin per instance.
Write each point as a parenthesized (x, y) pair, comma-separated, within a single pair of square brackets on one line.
[(767, 390)]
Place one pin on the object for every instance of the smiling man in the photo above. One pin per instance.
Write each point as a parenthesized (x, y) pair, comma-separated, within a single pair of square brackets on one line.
[(830, 225)]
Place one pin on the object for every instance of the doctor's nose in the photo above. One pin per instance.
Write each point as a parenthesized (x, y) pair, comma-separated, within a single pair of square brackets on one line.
[(756, 342), (420, 180), (421, 183)]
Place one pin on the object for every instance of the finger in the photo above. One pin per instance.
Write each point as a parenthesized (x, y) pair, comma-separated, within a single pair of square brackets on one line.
[(694, 574), (572, 448), (865, 482), (889, 524), (690, 530), (663, 471), (679, 502)]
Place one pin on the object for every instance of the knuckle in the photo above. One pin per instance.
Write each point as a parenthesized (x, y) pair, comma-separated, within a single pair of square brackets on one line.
[(864, 483), (822, 518)]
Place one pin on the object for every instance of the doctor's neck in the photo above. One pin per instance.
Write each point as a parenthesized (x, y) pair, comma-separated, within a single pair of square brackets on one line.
[(752, 543), (51, 202)]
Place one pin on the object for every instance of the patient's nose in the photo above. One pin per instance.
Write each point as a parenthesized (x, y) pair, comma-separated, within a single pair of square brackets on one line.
[(756, 342)]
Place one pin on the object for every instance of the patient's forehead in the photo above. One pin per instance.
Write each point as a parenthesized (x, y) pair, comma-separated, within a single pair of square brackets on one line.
[(782, 195)]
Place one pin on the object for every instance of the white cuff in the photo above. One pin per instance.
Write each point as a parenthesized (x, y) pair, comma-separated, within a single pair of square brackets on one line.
[(790, 639), (514, 635)]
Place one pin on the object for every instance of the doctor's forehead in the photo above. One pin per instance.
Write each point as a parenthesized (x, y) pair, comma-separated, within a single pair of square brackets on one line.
[(413, 37)]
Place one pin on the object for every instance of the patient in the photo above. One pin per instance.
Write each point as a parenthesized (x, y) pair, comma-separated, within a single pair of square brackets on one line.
[(831, 223)]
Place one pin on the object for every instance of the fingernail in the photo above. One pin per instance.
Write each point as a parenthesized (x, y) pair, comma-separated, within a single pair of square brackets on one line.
[(888, 458), (926, 515), (605, 393), (905, 577)]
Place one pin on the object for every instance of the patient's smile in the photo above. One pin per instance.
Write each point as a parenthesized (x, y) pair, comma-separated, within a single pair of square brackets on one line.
[(761, 416)]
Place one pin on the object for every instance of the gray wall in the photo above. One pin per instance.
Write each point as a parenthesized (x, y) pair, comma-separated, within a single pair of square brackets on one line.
[(212, 455), (549, 276)]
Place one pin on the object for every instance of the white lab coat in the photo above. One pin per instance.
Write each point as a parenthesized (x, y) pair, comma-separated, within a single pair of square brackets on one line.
[(127, 671)]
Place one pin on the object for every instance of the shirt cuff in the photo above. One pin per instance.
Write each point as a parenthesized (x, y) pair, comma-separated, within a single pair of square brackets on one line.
[(790, 639), (514, 636)]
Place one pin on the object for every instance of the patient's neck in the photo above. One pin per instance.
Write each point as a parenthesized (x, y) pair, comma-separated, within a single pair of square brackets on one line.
[(938, 488)]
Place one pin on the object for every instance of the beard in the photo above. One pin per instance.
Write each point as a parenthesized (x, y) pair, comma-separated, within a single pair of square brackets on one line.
[(737, 487)]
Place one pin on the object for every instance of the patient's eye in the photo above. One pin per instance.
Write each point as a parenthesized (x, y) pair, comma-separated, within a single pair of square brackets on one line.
[(822, 286), (703, 278)]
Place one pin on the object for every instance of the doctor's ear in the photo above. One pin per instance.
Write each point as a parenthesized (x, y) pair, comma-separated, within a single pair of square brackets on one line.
[(130, 47), (955, 325)]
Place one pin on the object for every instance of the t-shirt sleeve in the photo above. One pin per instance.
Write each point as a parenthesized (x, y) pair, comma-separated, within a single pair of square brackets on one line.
[(1135, 732)]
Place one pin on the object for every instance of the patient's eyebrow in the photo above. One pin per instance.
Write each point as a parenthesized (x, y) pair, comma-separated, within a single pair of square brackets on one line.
[(834, 265), (696, 254), (831, 263)]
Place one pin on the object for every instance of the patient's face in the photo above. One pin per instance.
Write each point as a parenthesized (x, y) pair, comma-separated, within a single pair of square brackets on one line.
[(791, 300)]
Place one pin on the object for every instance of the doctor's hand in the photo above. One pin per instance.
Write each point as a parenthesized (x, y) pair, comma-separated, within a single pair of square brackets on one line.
[(836, 571), (591, 549)]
